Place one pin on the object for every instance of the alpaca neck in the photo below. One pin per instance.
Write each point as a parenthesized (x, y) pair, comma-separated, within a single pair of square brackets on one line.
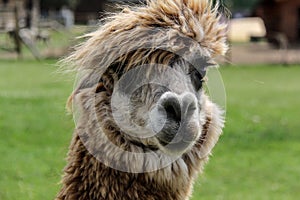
[(87, 178)]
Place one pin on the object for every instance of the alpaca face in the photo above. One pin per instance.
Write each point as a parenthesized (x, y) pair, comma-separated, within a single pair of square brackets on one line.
[(139, 104), (160, 106)]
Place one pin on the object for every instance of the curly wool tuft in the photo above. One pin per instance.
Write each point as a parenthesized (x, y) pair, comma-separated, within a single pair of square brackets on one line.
[(133, 27)]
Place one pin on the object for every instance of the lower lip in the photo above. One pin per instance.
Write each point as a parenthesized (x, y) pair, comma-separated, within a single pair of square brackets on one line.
[(177, 146)]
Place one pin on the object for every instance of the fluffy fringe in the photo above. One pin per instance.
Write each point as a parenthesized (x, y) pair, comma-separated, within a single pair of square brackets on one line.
[(127, 31)]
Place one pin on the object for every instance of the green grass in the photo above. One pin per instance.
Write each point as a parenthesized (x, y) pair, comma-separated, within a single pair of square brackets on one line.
[(258, 155), (256, 158), (34, 129)]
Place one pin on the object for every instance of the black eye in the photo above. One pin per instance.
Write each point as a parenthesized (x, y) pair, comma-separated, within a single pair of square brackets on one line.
[(196, 79)]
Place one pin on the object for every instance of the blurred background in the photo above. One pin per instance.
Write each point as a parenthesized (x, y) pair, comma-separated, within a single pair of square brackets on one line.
[(256, 158)]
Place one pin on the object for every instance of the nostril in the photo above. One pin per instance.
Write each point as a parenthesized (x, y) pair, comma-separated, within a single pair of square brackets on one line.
[(172, 113), (191, 108), (176, 109), (189, 105), (172, 109)]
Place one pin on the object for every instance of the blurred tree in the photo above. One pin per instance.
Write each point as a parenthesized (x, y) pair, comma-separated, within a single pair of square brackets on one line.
[(53, 4), (233, 5), (241, 5), (73, 3), (59, 3)]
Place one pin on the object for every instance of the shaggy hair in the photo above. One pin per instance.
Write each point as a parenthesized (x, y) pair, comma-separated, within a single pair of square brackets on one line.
[(156, 33)]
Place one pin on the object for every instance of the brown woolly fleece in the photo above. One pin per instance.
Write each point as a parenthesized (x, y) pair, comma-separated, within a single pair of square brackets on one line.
[(123, 40)]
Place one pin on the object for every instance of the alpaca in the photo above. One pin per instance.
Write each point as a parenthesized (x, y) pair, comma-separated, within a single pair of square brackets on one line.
[(144, 126)]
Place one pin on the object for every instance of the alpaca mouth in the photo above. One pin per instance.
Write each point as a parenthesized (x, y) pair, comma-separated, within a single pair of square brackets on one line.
[(178, 140), (176, 147), (146, 148)]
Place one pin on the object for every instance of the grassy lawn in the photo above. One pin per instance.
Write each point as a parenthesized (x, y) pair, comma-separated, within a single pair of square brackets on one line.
[(34, 129), (258, 155), (256, 158)]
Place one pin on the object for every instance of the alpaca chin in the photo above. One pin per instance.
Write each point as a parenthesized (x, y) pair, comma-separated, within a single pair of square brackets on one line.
[(183, 141)]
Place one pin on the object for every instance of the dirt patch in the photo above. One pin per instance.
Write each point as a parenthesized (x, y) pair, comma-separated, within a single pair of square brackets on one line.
[(262, 53)]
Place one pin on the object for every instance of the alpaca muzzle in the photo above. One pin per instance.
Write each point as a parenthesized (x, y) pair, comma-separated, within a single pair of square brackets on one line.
[(175, 120)]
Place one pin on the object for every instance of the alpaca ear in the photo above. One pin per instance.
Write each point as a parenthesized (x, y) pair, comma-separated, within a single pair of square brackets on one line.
[(69, 104), (104, 83), (201, 63), (87, 81)]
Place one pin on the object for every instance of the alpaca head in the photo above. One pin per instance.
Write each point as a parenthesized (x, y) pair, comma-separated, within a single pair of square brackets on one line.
[(139, 101)]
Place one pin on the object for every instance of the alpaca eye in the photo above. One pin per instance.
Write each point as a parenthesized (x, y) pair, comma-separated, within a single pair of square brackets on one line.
[(196, 79)]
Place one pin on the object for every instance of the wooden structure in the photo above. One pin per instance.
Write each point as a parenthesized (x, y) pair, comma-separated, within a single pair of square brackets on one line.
[(93, 10), (8, 8), (10, 14), (281, 17), (84, 12), (19, 19)]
